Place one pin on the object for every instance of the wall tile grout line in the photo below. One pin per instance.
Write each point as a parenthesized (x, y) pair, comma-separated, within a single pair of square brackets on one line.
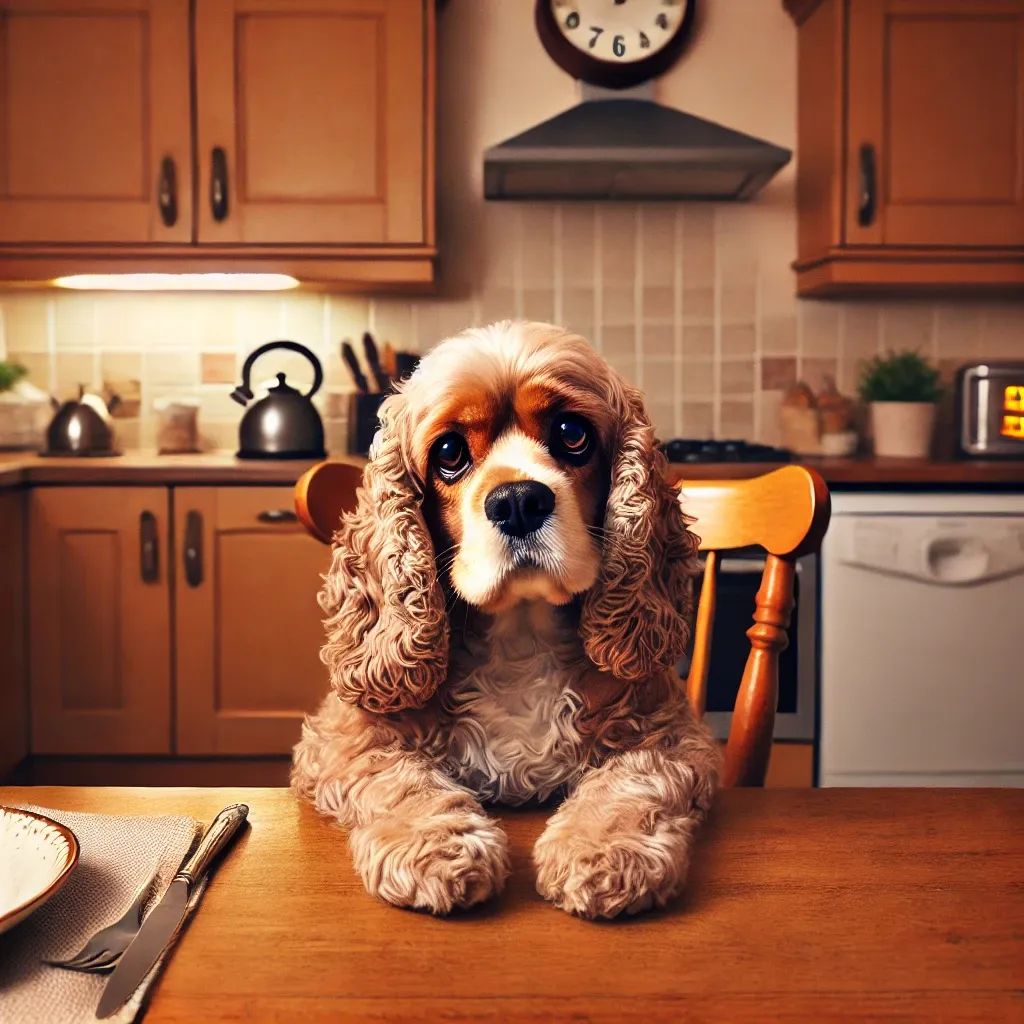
[(517, 264), (638, 298), (51, 343), (716, 387), (558, 283), (598, 340), (677, 317), (758, 355)]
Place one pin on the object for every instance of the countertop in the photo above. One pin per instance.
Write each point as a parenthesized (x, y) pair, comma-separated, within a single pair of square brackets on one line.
[(18, 468), (803, 905)]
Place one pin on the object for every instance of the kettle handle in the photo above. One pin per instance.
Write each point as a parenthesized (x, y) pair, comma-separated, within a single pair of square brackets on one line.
[(243, 393)]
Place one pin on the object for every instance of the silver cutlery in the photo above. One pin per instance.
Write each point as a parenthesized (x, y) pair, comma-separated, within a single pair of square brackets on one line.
[(161, 927), (102, 951)]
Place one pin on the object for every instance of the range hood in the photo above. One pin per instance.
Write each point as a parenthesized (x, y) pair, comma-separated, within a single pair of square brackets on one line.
[(629, 149)]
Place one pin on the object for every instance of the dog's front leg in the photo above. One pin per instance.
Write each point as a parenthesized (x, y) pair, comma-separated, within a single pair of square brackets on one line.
[(622, 840), (417, 838)]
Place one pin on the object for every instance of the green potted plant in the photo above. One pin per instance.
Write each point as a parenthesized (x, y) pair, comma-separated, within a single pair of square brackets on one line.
[(901, 390), (10, 374)]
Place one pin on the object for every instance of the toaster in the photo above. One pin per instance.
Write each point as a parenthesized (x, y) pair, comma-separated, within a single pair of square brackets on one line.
[(990, 410)]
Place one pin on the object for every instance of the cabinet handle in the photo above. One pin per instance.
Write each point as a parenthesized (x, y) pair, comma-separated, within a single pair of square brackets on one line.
[(193, 549), (868, 186), (277, 515), (167, 192), (219, 184), (149, 548)]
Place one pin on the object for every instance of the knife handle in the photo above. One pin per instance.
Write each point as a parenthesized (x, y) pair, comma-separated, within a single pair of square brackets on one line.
[(216, 837)]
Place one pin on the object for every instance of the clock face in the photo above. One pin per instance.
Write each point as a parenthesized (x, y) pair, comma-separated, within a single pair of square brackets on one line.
[(620, 31)]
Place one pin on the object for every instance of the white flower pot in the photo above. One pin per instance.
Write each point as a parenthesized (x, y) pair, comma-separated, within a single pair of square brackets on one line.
[(903, 430)]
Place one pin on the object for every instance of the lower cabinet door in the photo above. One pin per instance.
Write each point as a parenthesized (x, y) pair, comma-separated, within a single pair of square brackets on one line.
[(248, 628), (99, 620)]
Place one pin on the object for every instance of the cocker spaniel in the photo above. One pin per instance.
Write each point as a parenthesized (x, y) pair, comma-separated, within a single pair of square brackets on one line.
[(505, 608)]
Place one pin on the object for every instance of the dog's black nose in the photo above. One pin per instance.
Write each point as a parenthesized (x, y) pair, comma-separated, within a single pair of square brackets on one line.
[(519, 508)]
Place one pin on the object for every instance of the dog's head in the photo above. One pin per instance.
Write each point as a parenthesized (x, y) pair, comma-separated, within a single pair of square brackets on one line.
[(515, 464)]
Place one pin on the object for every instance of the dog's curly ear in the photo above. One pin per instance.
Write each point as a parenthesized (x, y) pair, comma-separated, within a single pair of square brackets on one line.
[(387, 632), (635, 620)]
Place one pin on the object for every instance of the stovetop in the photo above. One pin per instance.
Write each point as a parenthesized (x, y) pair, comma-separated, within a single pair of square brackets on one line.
[(707, 450)]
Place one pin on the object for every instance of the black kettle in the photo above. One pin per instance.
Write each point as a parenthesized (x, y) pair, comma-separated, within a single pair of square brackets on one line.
[(284, 424), (82, 427)]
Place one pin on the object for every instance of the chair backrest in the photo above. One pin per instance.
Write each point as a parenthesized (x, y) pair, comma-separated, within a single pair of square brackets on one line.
[(785, 512)]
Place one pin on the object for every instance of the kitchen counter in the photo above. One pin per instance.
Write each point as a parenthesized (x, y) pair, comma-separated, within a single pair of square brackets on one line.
[(810, 905), (18, 468), (870, 471), (141, 467)]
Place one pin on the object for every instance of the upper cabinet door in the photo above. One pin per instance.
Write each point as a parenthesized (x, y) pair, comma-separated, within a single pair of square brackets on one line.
[(100, 620), (935, 143), (94, 98), (311, 121)]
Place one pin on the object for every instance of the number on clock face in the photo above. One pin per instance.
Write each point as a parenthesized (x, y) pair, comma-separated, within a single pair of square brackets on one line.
[(619, 30)]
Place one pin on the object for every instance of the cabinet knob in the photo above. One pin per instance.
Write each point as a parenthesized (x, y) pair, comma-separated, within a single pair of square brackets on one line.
[(868, 186), (167, 192), (219, 184)]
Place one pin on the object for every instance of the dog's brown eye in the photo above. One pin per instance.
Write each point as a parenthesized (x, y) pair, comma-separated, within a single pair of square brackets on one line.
[(571, 438), (451, 455)]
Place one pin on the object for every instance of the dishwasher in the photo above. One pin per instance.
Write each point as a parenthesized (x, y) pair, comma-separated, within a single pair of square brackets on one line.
[(922, 641)]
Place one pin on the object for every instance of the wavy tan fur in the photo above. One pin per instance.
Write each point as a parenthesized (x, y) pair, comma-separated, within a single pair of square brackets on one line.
[(636, 619), (553, 680), (387, 635)]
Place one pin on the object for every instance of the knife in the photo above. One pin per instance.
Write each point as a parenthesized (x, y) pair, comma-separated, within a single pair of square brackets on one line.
[(162, 924), (353, 364), (383, 384), (387, 360)]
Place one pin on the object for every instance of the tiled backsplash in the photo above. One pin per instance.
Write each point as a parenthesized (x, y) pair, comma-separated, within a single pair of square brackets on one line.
[(694, 303)]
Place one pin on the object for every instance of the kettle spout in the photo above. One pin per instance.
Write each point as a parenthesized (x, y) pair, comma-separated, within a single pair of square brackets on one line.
[(242, 394)]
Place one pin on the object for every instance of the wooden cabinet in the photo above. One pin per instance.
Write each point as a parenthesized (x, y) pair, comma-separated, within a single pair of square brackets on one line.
[(99, 609), (312, 123), (248, 629), (95, 97), (318, 110), (910, 170), (13, 675)]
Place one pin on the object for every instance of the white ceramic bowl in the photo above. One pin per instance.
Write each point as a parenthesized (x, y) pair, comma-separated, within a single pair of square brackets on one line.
[(842, 445), (37, 856)]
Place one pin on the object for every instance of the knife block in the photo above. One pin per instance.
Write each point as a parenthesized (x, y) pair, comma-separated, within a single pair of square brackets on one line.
[(362, 421)]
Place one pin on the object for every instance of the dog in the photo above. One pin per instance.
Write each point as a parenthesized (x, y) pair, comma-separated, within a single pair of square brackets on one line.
[(505, 608)]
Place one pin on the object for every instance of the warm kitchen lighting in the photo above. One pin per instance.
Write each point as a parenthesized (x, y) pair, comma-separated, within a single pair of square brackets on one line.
[(178, 282), (1013, 398)]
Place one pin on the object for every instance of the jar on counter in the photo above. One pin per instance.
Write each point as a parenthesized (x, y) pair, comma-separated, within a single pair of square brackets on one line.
[(178, 426)]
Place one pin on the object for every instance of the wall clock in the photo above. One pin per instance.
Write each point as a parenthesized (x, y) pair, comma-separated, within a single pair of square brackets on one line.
[(614, 43)]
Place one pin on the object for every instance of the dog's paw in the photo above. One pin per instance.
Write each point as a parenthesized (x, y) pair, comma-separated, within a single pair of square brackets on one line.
[(452, 859), (607, 873)]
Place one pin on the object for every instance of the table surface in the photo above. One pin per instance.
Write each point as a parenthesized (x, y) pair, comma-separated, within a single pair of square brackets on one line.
[(810, 905)]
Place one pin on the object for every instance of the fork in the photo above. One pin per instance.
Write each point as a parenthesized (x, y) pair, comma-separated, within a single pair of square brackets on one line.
[(104, 949)]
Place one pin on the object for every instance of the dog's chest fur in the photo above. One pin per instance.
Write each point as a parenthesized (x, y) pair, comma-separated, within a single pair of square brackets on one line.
[(511, 707)]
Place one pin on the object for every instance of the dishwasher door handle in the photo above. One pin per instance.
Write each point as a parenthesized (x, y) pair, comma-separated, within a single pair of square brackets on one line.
[(957, 559)]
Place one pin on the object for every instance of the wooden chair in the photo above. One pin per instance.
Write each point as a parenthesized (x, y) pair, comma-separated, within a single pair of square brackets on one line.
[(785, 512)]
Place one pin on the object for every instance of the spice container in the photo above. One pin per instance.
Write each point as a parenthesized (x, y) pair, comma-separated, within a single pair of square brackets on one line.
[(800, 421), (178, 427)]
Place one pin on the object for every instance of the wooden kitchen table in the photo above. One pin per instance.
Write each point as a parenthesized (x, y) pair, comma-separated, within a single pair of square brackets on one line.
[(807, 905)]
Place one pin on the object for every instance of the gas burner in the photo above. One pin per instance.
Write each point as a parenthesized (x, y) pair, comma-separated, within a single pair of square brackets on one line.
[(692, 450)]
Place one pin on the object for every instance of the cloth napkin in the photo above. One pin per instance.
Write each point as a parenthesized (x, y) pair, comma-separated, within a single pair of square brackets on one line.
[(116, 857)]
